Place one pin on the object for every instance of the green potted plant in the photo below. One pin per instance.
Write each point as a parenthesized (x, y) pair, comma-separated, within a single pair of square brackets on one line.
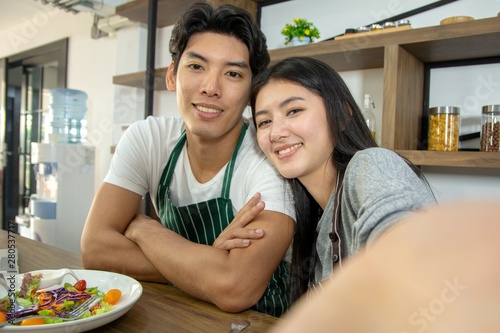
[(301, 30)]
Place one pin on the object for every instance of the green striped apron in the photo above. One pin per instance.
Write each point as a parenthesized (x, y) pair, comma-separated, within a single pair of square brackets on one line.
[(203, 222)]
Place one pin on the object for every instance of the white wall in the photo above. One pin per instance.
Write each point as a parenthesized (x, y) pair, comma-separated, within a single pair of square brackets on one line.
[(93, 63)]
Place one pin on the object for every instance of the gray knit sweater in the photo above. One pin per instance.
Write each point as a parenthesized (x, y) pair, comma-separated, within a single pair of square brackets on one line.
[(379, 189)]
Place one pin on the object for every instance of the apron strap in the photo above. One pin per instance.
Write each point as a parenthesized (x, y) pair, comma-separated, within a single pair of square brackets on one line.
[(228, 175), (166, 177), (336, 225)]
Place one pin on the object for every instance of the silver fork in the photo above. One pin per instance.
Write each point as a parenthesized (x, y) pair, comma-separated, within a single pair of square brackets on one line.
[(3, 282), (238, 325), (5, 285), (74, 314)]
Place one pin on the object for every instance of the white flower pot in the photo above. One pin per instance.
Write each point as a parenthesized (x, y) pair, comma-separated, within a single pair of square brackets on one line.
[(296, 41)]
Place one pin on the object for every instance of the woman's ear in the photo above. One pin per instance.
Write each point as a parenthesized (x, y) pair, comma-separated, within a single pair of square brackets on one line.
[(349, 109), (170, 77)]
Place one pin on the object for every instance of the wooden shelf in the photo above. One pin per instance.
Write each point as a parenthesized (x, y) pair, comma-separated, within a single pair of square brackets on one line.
[(467, 40), (470, 159), (170, 10), (138, 79)]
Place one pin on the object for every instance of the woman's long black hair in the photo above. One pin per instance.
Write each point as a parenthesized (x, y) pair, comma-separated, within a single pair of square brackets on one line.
[(349, 134)]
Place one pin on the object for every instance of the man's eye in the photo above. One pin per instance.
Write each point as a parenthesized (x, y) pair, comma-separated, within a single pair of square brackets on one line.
[(195, 66), (234, 74)]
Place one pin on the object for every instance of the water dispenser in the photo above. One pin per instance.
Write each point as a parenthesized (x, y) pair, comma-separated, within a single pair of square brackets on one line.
[(66, 116), (64, 192)]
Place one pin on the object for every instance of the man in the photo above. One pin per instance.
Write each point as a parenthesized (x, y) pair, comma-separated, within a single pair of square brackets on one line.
[(200, 171)]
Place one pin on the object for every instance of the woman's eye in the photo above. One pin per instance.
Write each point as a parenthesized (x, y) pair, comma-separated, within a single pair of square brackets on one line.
[(293, 111), (263, 123)]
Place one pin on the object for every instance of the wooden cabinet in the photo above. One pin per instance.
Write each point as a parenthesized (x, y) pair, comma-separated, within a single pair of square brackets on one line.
[(402, 55)]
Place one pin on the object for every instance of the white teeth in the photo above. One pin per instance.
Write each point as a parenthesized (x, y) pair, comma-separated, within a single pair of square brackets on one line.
[(289, 149), (207, 110)]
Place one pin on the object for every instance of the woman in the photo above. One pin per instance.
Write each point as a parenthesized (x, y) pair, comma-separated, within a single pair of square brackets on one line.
[(348, 191)]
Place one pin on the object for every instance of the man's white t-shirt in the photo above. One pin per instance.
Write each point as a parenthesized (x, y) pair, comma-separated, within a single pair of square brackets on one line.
[(143, 151)]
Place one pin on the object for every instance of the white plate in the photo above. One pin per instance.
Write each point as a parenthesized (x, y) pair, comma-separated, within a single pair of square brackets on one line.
[(104, 281)]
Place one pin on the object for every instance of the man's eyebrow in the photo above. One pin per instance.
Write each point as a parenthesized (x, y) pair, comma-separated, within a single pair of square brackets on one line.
[(241, 64), (192, 54)]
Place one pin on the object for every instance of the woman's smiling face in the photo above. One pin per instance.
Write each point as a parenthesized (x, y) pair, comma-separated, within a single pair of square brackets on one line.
[(292, 130)]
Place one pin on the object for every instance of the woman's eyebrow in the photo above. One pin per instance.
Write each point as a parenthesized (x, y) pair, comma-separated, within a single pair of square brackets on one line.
[(289, 100), (260, 113), (281, 105)]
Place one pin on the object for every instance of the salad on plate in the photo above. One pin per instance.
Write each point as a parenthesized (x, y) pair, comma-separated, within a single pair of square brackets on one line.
[(55, 302)]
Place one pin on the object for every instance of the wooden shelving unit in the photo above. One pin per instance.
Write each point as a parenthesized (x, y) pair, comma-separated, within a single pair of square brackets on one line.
[(170, 10), (467, 40), (469, 159), (401, 54), (138, 79)]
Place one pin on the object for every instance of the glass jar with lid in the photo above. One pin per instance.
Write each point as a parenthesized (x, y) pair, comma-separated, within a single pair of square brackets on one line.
[(362, 29), (490, 129), (388, 25), (444, 126), (402, 23)]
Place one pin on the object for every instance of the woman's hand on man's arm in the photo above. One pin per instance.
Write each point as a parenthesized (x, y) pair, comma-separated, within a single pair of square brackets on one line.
[(236, 235)]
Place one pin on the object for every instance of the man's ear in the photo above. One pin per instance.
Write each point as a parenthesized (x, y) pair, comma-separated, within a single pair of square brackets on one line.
[(170, 77)]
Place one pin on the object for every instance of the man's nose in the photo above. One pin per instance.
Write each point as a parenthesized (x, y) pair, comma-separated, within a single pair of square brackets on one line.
[(211, 85)]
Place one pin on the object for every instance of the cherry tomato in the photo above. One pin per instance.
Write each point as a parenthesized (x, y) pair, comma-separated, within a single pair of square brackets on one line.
[(33, 321), (80, 285), (3, 317), (112, 296)]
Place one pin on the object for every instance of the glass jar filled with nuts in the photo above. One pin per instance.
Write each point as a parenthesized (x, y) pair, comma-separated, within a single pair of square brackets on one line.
[(490, 129), (444, 126)]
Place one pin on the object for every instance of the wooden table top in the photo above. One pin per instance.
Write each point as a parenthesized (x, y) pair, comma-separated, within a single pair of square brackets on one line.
[(161, 308)]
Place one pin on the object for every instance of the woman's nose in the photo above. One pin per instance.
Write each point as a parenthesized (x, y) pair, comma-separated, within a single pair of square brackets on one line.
[(278, 132), (275, 137)]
